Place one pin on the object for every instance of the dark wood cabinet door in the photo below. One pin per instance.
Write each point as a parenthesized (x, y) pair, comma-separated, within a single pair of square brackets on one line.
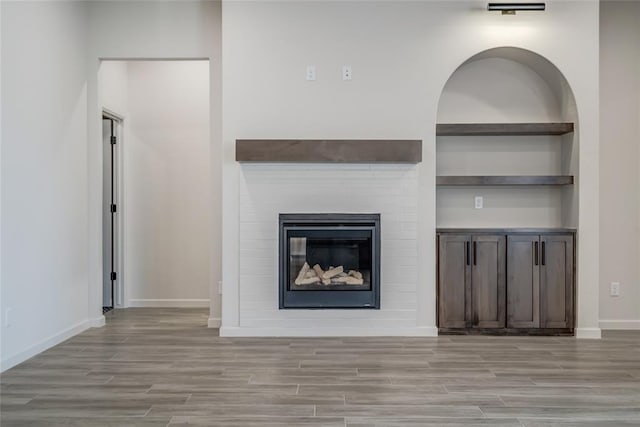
[(453, 280), (488, 281), (556, 281), (523, 281)]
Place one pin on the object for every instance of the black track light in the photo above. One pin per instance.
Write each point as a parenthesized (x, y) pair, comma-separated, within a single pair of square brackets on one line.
[(512, 8)]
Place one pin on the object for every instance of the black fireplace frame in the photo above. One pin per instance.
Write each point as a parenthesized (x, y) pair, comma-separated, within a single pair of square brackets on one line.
[(329, 299)]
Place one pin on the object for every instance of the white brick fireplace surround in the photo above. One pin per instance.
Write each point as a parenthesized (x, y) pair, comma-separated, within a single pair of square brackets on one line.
[(267, 190)]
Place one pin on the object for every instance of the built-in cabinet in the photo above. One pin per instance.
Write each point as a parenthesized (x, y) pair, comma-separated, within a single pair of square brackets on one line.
[(506, 281), (507, 180), (473, 267), (540, 277)]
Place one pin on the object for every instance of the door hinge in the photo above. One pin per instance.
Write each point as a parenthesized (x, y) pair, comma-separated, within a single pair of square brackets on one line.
[(113, 208), (113, 275), (113, 140)]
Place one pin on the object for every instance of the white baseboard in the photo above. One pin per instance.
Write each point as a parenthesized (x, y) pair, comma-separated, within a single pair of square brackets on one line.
[(214, 322), (226, 331), (630, 325), (43, 345), (169, 303), (589, 333), (97, 322)]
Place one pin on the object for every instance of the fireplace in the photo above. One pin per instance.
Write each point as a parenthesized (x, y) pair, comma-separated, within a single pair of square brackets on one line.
[(329, 261)]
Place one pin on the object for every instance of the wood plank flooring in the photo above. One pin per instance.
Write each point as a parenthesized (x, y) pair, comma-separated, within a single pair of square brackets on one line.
[(158, 367)]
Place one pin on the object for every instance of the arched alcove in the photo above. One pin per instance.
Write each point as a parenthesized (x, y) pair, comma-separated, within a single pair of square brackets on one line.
[(506, 201), (507, 85)]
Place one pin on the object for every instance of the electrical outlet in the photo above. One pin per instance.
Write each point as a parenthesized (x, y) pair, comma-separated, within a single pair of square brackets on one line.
[(614, 290), (478, 202), (311, 73), (346, 72)]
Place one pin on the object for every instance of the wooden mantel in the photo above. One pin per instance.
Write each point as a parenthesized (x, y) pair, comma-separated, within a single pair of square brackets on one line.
[(329, 150)]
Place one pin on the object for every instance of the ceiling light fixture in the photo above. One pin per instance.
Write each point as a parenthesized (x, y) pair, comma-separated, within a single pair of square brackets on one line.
[(512, 8)]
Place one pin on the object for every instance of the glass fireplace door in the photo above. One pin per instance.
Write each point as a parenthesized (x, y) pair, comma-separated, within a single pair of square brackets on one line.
[(329, 261), (336, 259)]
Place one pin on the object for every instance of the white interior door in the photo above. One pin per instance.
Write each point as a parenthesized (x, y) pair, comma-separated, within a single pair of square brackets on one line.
[(110, 279)]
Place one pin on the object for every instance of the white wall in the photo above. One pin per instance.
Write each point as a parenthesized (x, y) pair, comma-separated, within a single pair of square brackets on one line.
[(402, 54), (51, 152), (167, 186), (154, 30), (45, 269), (620, 163), (113, 87)]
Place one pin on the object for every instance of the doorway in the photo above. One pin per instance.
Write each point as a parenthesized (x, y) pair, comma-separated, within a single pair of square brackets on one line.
[(157, 191)]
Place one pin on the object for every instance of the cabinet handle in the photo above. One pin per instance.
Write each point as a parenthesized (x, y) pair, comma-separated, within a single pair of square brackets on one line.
[(467, 250), (535, 253), (544, 258), (475, 255)]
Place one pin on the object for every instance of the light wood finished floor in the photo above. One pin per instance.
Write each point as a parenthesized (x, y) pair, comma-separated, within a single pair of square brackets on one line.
[(158, 367)]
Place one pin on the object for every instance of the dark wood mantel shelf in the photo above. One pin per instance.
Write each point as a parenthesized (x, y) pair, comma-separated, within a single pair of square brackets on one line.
[(329, 150)]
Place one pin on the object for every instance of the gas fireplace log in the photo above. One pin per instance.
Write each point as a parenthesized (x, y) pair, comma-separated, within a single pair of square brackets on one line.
[(355, 281), (349, 280), (318, 270), (320, 273), (307, 281), (355, 274), (332, 272), (302, 274), (310, 274)]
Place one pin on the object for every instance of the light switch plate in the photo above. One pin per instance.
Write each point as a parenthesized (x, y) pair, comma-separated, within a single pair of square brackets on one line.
[(311, 72), (478, 202), (346, 72), (614, 291)]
